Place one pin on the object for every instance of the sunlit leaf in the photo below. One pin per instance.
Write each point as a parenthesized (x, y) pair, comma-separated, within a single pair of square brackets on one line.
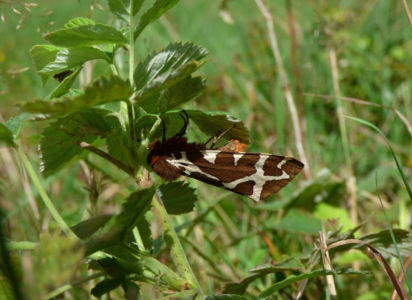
[(153, 13), (86, 35), (102, 90), (166, 68), (213, 123)]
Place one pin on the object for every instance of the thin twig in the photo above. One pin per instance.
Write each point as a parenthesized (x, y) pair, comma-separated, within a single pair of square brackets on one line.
[(351, 182), (108, 157), (408, 13), (285, 86), (327, 265), (403, 119)]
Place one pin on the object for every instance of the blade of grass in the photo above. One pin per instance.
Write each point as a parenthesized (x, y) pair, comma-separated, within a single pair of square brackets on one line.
[(404, 182)]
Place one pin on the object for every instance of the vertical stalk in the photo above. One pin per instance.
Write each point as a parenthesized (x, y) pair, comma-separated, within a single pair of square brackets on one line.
[(130, 111), (43, 195), (176, 249), (286, 87), (351, 182)]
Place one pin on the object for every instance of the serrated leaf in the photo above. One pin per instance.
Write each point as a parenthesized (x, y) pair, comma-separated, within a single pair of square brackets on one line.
[(6, 136), (65, 85), (79, 21), (212, 123), (227, 297), (133, 211), (59, 142), (260, 272), (68, 58), (102, 90), (87, 227), (86, 35), (121, 8), (295, 278), (297, 222), (382, 241), (106, 285), (178, 198), (153, 13), (166, 68), (175, 96)]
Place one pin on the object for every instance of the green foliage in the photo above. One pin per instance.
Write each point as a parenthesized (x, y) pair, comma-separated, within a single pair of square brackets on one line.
[(178, 197), (91, 130)]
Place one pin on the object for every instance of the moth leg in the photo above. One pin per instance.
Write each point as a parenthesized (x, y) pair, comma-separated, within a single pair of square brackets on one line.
[(185, 118), (217, 138)]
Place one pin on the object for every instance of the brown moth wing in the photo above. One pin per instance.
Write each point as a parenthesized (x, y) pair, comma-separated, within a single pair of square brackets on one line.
[(252, 174)]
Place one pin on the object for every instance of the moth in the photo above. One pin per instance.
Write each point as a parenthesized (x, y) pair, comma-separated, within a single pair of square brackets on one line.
[(255, 175)]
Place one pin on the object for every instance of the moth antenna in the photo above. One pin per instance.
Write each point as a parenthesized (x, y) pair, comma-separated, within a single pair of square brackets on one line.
[(185, 118), (216, 139), (163, 132)]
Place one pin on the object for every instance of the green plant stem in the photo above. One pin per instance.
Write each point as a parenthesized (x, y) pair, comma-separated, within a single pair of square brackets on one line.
[(131, 69), (69, 286), (176, 249), (43, 195)]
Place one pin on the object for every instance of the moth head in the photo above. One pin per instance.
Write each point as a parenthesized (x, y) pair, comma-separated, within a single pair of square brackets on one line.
[(154, 154)]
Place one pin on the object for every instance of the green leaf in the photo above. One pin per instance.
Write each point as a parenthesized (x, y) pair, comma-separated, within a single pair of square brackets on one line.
[(153, 13), (178, 198), (17, 123), (65, 85), (68, 58), (260, 272), (102, 90), (59, 142), (106, 285), (42, 55), (213, 123), (79, 21), (227, 297), (383, 242), (295, 278), (133, 211), (121, 8), (297, 222), (166, 68), (6, 136), (86, 35), (86, 228), (175, 96)]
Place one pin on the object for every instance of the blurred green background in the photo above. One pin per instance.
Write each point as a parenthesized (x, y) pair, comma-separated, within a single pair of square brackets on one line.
[(372, 42)]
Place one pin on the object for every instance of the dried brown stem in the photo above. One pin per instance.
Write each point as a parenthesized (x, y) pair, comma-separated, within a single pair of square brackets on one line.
[(408, 13), (108, 157), (403, 119), (285, 86)]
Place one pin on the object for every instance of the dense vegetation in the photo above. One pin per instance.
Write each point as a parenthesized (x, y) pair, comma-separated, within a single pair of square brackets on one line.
[(82, 97)]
